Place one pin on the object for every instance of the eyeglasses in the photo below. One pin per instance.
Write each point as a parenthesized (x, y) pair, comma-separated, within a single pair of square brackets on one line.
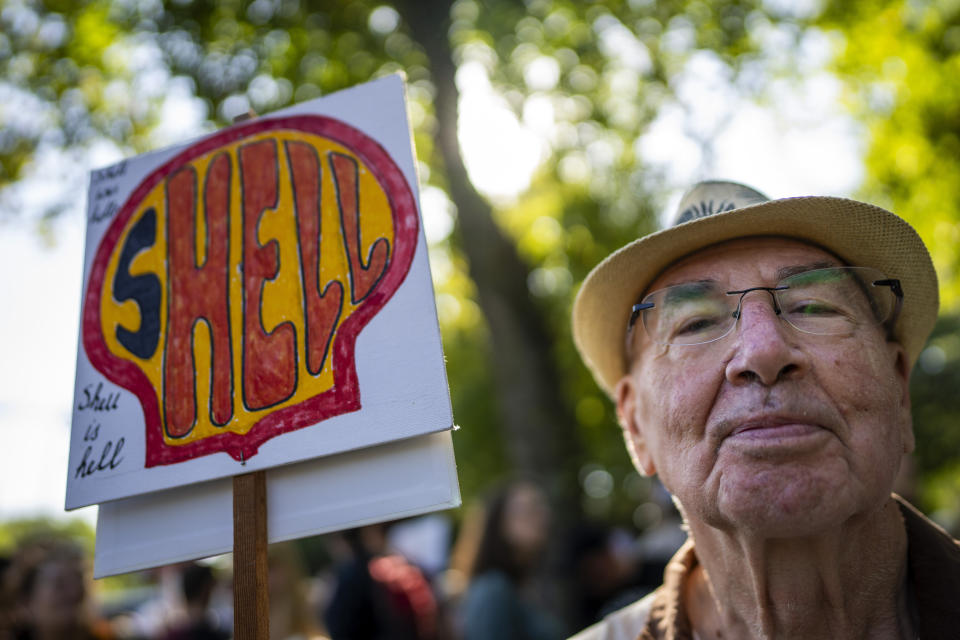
[(833, 301)]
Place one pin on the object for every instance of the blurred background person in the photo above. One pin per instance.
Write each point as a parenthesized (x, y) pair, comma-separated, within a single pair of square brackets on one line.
[(291, 615), (499, 601), (6, 607), (379, 595), (198, 582), (161, 607), (603, 563), (46, 591)]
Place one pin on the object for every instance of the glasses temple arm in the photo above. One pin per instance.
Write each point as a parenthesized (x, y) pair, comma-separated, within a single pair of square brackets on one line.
[(635, 312), (897, 290)]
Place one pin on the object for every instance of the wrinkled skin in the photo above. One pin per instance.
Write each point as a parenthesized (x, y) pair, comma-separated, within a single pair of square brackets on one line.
[(841, 404), (782, 448)]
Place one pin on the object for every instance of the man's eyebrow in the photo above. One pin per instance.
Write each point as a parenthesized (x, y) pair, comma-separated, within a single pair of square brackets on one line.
[(688, 290), (786, 272)]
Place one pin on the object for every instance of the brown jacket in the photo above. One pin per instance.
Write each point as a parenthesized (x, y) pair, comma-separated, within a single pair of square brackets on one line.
[(933, 566)]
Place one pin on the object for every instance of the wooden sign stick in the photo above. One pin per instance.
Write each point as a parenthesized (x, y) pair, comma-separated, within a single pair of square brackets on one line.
[(251, 595)]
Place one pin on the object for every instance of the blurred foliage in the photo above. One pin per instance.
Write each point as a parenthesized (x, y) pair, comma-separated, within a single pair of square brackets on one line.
[(936, 423), (899, 61), (19, 532), (587, 78), (15, 532)]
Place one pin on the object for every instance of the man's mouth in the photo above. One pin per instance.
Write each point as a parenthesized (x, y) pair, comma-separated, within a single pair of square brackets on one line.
[(774, 429)]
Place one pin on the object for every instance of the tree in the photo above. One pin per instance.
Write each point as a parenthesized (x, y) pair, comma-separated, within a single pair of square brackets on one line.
[(596, 72), (898, 61)]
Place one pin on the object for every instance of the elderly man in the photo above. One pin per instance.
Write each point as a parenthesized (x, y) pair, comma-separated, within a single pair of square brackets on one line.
[(759, 354)]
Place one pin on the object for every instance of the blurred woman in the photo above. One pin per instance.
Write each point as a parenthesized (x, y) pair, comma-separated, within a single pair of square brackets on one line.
[(512, 537), (46, 589), (379, 595), (291, 614)]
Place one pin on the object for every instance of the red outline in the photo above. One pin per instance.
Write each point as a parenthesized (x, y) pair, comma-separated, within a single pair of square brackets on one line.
[(344, 396)]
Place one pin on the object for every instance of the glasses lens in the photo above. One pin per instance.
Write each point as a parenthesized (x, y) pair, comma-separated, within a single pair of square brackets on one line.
[(835, 301), (690, 313)]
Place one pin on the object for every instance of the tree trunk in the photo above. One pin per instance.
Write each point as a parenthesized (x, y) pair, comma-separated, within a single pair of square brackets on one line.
[(538, 430)]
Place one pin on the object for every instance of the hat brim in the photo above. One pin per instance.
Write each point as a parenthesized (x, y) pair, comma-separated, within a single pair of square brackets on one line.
[(861, 234)]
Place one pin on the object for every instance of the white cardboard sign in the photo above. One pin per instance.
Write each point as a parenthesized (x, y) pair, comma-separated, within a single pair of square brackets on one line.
[(256, 298), (387, 482)]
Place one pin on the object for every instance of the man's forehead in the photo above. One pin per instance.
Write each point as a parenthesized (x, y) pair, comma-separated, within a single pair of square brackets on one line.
[(773, 257)]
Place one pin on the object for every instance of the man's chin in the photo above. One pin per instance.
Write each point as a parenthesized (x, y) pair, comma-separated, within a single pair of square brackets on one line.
[(789, 503)]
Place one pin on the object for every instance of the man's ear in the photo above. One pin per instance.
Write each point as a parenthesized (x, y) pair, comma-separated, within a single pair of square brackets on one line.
[(625, 395), (901, 367)]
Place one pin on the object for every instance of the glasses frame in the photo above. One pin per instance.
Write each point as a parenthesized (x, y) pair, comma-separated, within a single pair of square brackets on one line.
[(889, 323)]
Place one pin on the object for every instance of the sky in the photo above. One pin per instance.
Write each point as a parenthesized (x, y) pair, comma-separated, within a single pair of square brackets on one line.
[(797, 143)]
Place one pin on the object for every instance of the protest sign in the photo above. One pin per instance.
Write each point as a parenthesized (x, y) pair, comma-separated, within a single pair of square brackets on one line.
[(386, 482), (256, 298)]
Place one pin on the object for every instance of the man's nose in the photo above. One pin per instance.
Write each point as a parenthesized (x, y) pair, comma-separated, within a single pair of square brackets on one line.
[(766, 348)]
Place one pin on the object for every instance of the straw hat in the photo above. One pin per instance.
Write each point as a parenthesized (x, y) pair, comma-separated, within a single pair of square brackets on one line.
[(861, 234)]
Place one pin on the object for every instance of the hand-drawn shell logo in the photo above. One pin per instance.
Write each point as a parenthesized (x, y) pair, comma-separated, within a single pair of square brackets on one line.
[(228, 292)]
